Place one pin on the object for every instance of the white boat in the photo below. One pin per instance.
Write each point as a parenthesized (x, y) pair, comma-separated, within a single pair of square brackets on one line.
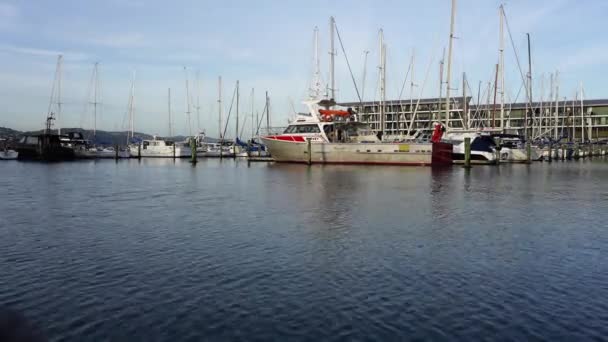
[(512, 149), (223, 149), (334, 136), (157, 148), (483, 147), (8, 154)]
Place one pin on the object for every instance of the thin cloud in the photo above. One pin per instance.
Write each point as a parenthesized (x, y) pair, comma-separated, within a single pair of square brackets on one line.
[(74, 56)]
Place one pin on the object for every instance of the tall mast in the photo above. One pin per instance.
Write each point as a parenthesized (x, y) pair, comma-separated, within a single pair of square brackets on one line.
[(382, 80), (59, 71), (169, 105), (219, 105), (316, 80), (267, 114), (550, 104), (198, 102), (449, 66), (495, 90), (582, 116), (188, 103), (441, 63), (96, 80), (366, 52), (529, 87), (236, 133), (332, 54), (132, 105), (502, 69), (556, 104), (412, 84), (252, 122), (464, 101)]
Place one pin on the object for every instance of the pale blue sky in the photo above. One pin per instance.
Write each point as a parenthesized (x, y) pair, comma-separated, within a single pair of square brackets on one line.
[(268, 45)]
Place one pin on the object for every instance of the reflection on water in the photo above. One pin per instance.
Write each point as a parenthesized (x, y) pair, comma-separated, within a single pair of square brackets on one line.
[(159, 249)]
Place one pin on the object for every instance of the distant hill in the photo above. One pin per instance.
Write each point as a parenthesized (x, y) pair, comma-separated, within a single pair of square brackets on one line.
[(100, 137)]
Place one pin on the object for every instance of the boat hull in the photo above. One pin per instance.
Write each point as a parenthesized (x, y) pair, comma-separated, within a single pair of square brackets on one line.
[(160, 152), (9, 155), (414, 154)]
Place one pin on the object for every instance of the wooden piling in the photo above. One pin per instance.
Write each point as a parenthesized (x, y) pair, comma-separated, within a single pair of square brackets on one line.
[(467, 152), (309, 150), (139, 151), (192, 151), (116, 152), (528, 152), (550, 159)]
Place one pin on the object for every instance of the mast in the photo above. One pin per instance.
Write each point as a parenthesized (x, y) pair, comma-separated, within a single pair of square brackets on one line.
[(132, 106), (502, 70), (252, 122), (582, 116), (268, 113), (495, 91), (96, 80), (366, 52), (236, 133), (219, 105), (550, 104), (316, 82), (188, 103), (464, 101), (412, 85), (449, 66), (441, 63), (382, 81), (198, 102), (556, 104), (332, 54), (59, 71), (529, 87), (169, 105)]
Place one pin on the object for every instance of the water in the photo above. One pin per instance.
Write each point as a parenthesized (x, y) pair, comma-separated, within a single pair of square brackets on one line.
[(160, 251)]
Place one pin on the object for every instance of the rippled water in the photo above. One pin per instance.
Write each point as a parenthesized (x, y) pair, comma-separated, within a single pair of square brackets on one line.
[(159, 251)]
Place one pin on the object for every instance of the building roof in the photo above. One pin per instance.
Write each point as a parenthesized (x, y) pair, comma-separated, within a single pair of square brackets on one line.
[(458, 99), (400, 102)]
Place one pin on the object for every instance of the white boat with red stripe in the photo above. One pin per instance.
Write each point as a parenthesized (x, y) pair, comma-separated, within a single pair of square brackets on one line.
[(334, 136)]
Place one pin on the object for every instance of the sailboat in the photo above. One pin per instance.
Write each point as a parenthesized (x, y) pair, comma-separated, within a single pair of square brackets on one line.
[(47, 146)]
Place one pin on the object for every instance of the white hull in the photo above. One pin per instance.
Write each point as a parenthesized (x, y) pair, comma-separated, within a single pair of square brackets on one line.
[(8, 155), (350, 153), (165, 152), (518, 155)]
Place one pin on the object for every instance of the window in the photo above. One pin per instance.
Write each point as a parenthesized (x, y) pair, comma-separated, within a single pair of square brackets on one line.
[(301, 129)]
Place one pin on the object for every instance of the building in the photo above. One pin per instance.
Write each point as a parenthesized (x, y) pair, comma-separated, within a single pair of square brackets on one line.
[(573, 118)]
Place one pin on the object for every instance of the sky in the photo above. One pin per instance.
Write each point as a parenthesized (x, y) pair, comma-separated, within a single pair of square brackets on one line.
[(268, 45)]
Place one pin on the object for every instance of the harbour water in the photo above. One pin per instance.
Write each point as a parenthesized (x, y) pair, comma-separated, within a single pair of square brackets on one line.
[(159, 250)]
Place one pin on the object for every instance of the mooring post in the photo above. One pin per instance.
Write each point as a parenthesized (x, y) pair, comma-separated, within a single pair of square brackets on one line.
[(192, 151), (309, 150), (467, 152), (116, 152), (173, 150), (550, 159), (528, 152), (139, 151)]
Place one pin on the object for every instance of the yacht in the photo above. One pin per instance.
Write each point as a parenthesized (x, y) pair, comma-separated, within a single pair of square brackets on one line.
[(158, 148), (334, 136), (513, 150), (483, 147)]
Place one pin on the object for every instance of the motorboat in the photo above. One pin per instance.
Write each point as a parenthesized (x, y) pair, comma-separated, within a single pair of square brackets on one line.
[(158, 148), (330, 135)]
